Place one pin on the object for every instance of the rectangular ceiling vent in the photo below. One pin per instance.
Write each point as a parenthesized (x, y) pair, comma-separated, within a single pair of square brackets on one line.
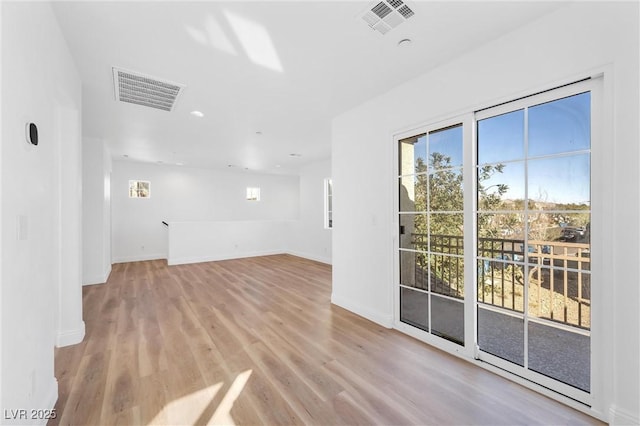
[(385, 15), (139, 89)]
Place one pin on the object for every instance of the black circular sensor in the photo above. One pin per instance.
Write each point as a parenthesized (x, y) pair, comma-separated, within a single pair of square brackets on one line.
[(32, 133)]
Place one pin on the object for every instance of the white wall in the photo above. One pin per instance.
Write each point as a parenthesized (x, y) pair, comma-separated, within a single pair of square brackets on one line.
[(308, 237), (68, 229), (1, 210), (39, 298), (182, 194), (96, 211), (193, 242), (557, 48)]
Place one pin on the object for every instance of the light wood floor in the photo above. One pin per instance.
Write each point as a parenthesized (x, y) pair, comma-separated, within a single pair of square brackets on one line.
[(256, 341)]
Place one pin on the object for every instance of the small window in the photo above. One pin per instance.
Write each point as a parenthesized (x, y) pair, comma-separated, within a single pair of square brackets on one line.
[(253, 194), (328, 204), (139, 189)]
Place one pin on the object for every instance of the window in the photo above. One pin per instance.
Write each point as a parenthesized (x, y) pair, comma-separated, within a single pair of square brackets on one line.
[(328, 203), (139, 189), (253, 194)]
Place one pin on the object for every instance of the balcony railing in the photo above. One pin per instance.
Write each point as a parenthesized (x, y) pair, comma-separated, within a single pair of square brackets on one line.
[(558, 275)]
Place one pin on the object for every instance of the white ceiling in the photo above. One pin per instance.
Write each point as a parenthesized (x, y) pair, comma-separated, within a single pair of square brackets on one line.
[(284, 69)]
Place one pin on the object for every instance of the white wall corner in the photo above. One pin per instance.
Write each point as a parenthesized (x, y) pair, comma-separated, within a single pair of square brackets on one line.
[(97, 279), (618, 416), (326, 260), (142, 258), (70, 337), (23, 416), (377, 317), (50, 399)]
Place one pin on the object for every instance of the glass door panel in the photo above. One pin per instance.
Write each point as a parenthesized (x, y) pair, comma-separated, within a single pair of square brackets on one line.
[(533, 238), (431, 246)]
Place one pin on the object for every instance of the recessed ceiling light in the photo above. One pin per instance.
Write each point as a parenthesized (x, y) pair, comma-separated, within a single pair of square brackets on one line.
[(278, 166), (179, 164), (295, 155), (405, 42), (197, 114)]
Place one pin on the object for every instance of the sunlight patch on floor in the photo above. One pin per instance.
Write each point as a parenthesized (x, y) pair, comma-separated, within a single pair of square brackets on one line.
[(194, 408), (187, 409), (222, 415)]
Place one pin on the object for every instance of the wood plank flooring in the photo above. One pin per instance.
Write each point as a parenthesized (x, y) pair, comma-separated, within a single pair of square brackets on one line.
[(257, 341)]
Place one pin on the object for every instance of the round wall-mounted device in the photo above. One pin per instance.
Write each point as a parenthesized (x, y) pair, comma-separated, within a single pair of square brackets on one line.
[(32, 134)]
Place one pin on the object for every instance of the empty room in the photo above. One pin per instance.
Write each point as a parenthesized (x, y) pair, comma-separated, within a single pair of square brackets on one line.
[(320, 212)]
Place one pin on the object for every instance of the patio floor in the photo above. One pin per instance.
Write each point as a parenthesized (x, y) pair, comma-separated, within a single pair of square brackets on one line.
[(552, 351)]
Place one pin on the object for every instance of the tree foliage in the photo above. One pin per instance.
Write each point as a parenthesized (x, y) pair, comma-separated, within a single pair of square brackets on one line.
[(438, 190)]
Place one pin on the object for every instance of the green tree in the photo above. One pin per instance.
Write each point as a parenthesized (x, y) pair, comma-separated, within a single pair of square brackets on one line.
[(438, 189), (490, 199)]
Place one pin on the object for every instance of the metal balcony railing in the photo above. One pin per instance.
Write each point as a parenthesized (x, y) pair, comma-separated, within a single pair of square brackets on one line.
[(558, 276)]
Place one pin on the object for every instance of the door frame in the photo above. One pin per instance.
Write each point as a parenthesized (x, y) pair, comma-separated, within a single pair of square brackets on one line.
[(601, 207)]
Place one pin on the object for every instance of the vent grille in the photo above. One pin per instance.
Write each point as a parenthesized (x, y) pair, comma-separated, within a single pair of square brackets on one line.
[(139, 89), (406, 12), (381, 10), (385, 15)]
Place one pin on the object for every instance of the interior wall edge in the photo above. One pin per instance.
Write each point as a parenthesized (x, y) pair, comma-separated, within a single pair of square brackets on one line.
[(97, 279), (71, 337), (309, 256), (358, 309)]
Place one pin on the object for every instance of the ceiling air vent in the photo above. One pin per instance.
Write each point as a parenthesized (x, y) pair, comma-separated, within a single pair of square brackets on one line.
[(139, 89), (385, 15)]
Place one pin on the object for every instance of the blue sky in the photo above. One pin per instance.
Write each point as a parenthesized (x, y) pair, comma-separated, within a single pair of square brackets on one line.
[(557, 127), (558, 133)]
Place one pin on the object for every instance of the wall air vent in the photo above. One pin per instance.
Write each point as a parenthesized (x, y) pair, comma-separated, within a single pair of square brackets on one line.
[(385, 15), (139, 89)]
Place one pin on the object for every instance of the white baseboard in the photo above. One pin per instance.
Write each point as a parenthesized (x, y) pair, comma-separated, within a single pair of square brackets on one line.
[(214, 258), (139, 258), (381, 319), (618, 416), (211, 258), (320, 259), (97, 279), (70, 337)]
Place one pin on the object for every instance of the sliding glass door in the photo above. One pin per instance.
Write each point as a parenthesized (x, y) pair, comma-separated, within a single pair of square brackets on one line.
[(494, 252)]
